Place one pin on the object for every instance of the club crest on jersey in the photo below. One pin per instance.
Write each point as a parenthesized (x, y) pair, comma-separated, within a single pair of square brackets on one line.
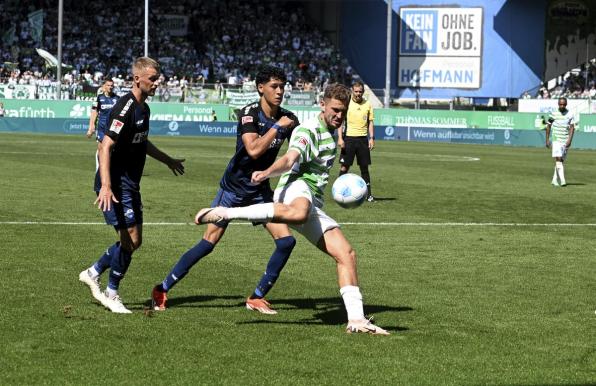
[(247, 119), (116, 126)]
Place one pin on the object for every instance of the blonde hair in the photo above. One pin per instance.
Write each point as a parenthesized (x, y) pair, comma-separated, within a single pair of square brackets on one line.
[(143, 63)]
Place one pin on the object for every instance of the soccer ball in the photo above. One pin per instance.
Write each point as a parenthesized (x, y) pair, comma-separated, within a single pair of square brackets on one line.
[(349, 190)]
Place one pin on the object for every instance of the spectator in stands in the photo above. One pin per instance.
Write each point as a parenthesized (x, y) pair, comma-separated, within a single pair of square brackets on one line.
[(1, 109)]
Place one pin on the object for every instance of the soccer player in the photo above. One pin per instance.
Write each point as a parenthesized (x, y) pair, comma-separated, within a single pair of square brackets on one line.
[(262, 128), (121, 161), (562, 126), (298, 199), (359, 137), (100, 111), (100, 115)]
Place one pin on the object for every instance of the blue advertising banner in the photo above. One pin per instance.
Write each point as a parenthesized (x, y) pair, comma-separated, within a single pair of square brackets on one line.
[(80, 125)]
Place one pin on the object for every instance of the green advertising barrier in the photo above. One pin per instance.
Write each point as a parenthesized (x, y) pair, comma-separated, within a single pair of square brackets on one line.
[(16, 108), (458, 119), (587, 123)]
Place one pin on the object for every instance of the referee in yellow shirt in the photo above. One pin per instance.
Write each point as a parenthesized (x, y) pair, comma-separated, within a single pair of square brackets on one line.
[(358, 137)]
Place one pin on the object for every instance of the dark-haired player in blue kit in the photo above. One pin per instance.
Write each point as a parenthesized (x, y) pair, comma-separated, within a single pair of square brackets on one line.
[(262, 128), (100, 117), (122, 157)]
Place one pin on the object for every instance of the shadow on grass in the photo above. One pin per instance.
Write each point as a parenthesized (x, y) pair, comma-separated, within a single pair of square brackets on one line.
[(327, 311)]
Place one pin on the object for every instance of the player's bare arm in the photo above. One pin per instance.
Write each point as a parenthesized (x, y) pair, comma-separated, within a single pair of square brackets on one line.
[(175, 164), (105, 195), (548, 135), (279, 167), (256, 145), (92, 120)]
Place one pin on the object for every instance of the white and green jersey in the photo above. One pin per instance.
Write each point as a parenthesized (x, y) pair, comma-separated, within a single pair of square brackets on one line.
[(317, 149), (560, 123)]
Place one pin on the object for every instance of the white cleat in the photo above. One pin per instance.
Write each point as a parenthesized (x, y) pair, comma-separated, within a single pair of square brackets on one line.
[(210, 215), (93, 284), (554, 183), (364, 326), (115, 305)]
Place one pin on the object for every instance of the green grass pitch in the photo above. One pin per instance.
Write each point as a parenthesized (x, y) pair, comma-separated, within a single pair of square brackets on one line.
[(481, 270)]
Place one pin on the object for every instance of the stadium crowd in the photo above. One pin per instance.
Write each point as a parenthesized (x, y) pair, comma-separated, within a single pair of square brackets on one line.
[(573, 85), (220, 46)]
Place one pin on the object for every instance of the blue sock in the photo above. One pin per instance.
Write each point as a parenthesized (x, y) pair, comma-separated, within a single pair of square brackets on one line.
[(277, 261), (106, 259), (119, 266), (190, 258)]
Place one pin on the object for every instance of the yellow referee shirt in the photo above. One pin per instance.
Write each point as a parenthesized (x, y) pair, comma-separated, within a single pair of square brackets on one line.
[(359, 115)]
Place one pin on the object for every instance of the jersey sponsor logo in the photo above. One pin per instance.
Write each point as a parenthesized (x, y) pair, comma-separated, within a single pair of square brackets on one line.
[(116, 126), (126, 107), (106, 106), (140, 137), (247, 119)]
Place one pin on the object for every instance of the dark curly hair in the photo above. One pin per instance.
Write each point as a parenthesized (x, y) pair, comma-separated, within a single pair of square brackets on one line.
[(266, 73)]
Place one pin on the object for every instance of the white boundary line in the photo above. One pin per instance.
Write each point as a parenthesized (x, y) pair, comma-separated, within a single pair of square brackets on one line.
[(388, 224)]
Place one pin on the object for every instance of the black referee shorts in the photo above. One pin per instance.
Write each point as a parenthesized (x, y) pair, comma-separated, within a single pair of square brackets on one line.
[(355, 147)]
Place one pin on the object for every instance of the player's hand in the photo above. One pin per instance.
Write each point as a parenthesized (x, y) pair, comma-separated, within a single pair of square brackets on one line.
[(90, 132), (258, 177), (175, 164), (547, 144), (371, 144), (341, 143), (567, 145), (105, 198), (285, 122)]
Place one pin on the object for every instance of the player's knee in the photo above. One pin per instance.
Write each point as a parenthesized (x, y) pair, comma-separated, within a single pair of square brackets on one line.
[(347, 258)]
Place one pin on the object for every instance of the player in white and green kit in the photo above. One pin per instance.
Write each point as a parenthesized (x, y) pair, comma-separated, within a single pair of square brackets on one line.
[(298, 199), (562, 126)]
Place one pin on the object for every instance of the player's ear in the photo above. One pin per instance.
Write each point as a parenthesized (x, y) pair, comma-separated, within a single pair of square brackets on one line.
[(322, 104)]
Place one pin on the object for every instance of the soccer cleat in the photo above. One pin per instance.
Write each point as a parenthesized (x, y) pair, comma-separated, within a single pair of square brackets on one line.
[(261, 305), (563, 183), (115, 305), (554, 183), (158, 299), (210, 215), (370, 198), (364, 326), (93, 284)]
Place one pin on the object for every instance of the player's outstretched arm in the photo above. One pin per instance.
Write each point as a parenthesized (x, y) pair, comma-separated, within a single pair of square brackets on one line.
[(279, 167), (175, 164)]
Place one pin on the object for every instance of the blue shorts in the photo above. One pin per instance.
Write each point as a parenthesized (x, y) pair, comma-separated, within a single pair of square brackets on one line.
[(229, 199), (126, 213), (100, 132)]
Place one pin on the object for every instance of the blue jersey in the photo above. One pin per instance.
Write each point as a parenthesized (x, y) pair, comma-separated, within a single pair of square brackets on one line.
[(129, 128), (238, 174), (103, 104)]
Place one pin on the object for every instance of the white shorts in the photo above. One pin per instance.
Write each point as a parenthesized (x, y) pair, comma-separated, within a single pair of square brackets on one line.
[(559, 149), (318, 222)]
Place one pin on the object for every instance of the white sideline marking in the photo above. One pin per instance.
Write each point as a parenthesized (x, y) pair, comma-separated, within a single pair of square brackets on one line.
[(405, 224)]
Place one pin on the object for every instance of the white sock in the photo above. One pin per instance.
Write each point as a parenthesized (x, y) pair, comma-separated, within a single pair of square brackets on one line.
[(353, 302), (252, 213), (560, 171), (555, 175), (92, 272), (111, 293)]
